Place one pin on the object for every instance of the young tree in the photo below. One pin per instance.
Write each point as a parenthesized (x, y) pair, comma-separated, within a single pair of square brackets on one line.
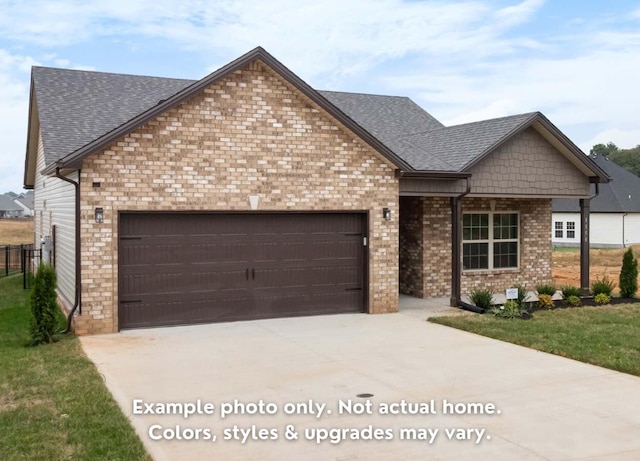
[(629, 275), (43, 305)]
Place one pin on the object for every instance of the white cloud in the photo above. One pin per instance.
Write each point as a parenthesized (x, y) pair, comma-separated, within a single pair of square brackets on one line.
[(14, 92), (462, 61)]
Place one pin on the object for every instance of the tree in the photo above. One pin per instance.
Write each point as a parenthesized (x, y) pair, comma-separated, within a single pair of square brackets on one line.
[(43, 305), (629, 159), (629, 275), (603, 150)]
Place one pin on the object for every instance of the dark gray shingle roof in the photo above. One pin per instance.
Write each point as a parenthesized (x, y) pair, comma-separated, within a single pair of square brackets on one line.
[(75, 107), (621, 195), (78, 107), (459, 145), (26, 200), (7, 203), (385, 117)]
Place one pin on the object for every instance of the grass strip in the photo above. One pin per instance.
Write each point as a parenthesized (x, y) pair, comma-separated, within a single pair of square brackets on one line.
[(53, 402), (607, 336)]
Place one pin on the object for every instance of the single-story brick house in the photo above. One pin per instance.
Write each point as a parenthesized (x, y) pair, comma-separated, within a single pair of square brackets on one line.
[(248, 194), (614, 212)]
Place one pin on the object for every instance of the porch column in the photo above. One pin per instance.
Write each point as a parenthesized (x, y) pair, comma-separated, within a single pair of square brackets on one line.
[(456, 239), (585, 205)]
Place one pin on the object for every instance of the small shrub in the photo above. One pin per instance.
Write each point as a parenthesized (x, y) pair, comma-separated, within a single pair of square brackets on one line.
[(545, 301), (569, 291), (602, 298), (43, 306), (573, 301), (546, 289), (510, 310), (482, 297), (603, 285), (629, 275), (522, 294)]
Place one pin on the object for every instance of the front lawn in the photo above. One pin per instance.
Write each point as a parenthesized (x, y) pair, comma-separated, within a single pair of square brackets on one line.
[(53, 403), (608, 336)]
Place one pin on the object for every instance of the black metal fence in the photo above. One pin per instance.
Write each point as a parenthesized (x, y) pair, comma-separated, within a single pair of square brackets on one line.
[(16, 259)]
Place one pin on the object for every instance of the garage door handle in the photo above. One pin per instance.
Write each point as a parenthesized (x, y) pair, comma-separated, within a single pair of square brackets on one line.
[(253, 273), (132, 301)]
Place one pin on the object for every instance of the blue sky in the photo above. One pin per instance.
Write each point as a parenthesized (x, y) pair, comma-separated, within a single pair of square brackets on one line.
[(577, 61)]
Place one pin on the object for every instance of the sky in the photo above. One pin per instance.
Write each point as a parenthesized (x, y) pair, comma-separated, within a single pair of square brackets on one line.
[(576, 61)]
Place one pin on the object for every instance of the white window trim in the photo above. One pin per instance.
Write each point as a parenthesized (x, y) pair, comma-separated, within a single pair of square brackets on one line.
[(491, 241), (556, 229)]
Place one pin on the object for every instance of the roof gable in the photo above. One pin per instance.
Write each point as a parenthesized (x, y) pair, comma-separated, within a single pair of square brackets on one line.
[(79, 113), (74, 159)]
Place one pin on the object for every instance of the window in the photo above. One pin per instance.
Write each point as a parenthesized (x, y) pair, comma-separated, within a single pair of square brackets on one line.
[(490, 240), (571, 229), (559, 229)]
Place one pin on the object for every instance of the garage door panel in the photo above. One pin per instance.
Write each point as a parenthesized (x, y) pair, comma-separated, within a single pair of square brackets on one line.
[(338, 248), (177, 268), (279, 305), (175, 280)]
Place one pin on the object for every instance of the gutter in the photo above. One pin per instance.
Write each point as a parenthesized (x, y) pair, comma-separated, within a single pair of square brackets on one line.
[(456, 240), (77, 297)]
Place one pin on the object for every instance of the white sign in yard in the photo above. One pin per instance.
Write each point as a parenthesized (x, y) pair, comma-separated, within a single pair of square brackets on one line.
[(511, 293)]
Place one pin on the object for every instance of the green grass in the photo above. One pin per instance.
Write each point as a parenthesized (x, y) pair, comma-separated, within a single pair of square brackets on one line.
[(53, 403), (566, 249), (607, 336)]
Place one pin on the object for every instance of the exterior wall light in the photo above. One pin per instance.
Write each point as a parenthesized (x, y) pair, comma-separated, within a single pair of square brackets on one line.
[(99, 215), (386, 214)]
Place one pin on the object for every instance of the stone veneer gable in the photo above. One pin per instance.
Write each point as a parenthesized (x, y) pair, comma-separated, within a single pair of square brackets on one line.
[(251, 133)]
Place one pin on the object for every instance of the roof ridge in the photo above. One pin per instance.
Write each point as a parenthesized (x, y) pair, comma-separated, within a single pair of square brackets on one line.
[(366, 94), (119, 74), (505, 117)]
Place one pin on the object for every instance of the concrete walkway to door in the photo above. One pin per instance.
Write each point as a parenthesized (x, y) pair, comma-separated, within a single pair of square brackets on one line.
[(548, 407)]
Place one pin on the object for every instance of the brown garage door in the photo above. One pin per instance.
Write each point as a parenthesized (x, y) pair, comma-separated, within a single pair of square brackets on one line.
[(181, 268)]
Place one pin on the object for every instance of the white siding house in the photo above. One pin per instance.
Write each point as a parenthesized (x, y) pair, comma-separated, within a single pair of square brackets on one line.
[(54, 200), (614, 217)]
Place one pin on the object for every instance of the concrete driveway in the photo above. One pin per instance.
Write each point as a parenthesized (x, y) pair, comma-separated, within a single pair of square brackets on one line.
[(536, 406)]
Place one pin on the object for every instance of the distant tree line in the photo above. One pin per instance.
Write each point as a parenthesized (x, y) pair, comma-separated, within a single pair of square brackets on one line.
[(629, 159)]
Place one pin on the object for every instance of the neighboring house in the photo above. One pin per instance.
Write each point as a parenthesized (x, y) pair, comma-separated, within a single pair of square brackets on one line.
[(8, 208), (25, 201), (614, 217), (248, 194)]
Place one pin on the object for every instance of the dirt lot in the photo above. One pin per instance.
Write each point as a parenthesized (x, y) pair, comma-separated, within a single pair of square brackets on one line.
[(566, 264), (16, 231)]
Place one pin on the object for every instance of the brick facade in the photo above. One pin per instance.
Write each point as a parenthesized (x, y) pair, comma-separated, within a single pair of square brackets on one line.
[(431, 232), (251, 133), (535, 246), (411, 246)]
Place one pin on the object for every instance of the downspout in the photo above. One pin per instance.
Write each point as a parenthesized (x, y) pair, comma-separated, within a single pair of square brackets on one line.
[(456, 239), (624, 245), (584, 240), (77, 297)]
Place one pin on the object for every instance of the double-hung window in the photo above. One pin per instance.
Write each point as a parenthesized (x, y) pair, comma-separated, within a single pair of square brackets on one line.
[(571, 229), (490, 240), (559, 226)]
